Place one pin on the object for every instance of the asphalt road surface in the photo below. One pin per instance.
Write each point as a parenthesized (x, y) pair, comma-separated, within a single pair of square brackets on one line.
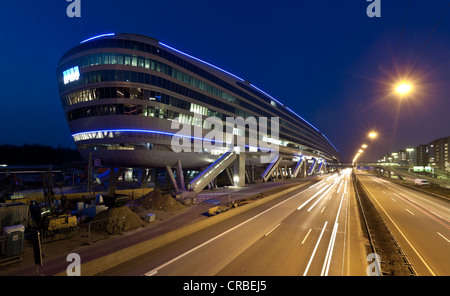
[(312, 231), (420, 223)]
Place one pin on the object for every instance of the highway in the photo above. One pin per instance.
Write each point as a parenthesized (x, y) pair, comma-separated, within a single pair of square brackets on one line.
[(420, 223), (312, 231)]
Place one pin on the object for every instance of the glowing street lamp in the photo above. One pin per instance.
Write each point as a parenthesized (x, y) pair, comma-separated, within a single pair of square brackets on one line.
[(372, 135), (364, 146), (403, 88)]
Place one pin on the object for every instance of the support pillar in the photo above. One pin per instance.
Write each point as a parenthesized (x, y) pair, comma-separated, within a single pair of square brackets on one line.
[(113, 177), (239, 170), (304, 169), (145, 176), (230, 175), (313, 167), (180, 176), (172, 178), (298, 168)]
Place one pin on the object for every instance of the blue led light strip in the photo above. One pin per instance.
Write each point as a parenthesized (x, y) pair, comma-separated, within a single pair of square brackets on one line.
[(330, 142), (303, 119), (160, 133), (98, 36), (231, 74), (197, 59), (263, 92)]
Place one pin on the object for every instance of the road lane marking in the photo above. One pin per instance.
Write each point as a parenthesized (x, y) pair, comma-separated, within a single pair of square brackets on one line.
[(409, 211), (303, 241), (323, 209), (153, 273), (314, 185), (410, 244), (393, 199), (423, 210), (272, 229), (346, 233), (329, 188), (315, 249), (318, 187), (340, 186), (444, 237), (326, 263), (154, 270), (311, 198)]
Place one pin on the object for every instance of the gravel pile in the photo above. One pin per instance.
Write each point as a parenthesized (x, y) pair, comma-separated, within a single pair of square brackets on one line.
[(156, 200), (116, 220)]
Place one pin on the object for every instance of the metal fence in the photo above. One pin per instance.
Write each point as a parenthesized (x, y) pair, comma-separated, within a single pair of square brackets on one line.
[(99, 229)]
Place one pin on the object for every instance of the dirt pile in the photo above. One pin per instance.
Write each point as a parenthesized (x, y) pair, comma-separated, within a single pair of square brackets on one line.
[(156, 200), (116, 220)]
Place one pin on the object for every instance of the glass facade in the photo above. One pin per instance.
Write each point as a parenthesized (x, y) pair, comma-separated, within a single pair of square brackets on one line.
[(142, 85)]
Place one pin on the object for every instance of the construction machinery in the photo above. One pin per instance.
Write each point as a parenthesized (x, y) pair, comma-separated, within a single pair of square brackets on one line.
[(51, 216)]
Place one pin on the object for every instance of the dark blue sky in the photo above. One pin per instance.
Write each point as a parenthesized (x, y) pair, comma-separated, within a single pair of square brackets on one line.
[(327, 60)]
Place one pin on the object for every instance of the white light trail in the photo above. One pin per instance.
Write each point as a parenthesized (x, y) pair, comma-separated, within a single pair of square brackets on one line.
[(315, 249)]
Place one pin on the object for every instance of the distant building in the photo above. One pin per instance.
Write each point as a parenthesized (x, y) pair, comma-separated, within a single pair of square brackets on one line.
[(441, 153), (411, 156), (435, 154), (422, 154)]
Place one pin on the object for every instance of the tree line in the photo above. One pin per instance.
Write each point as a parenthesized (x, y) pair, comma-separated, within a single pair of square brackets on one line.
[(37, 155)]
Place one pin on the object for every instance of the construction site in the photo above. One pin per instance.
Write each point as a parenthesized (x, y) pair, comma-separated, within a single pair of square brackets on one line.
[(60, 219)]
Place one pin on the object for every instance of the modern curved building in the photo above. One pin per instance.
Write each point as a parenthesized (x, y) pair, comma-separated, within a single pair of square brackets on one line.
[(122, 92)]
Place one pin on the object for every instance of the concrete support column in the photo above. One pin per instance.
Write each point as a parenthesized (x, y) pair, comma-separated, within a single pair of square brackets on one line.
[(239, 170), (172, 177), (312, 167), (145, 175), (113, 177), (180, 176), (304, 169)]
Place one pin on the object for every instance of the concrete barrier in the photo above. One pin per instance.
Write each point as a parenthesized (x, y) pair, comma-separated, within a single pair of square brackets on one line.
[(98, 265)]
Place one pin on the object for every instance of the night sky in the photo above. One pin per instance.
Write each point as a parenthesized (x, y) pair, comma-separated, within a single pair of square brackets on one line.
[(327, 60)]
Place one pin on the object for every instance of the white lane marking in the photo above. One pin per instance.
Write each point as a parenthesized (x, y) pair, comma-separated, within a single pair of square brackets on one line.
[(402, 234), (154, 270), (303, 241), (419, 206), (272, 229), (314, 185), (311, 198), (315, 249), (326, 263), (444, 237), (409, 211), (340, 186), (326, 192)]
